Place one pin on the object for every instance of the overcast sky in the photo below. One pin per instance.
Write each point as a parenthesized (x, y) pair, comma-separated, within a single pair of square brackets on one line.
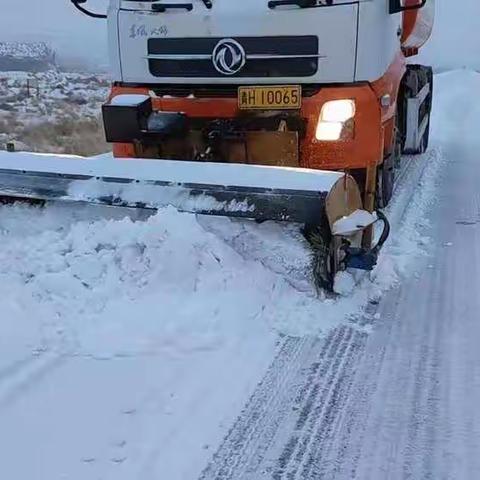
[(72, 34), (456, 41), (456, 37)]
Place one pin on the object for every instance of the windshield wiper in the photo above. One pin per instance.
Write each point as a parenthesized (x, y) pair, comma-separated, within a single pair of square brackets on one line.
[(299, 3), (163, 7), (78, 5)]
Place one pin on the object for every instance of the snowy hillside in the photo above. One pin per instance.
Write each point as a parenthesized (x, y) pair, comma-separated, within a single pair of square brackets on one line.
[(26, 57), (38, 50), (52, 111)]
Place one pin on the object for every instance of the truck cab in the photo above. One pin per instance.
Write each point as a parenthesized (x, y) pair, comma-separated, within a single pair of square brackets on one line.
[(320, 84)]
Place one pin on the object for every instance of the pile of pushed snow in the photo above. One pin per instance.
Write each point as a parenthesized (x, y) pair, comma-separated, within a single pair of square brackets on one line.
[(118, 287)]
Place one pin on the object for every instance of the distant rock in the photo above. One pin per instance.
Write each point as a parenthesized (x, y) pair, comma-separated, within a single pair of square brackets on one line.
[(26, 57)]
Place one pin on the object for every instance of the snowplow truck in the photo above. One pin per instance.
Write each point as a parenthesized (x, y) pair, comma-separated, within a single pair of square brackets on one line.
[(284, 110)]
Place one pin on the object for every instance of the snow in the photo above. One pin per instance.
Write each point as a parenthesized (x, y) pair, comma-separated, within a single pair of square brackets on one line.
[(151, 277), (189, 314), (357, 220), (128, 100), (95, 275), (344, 284), (37, 50), (153, 197)]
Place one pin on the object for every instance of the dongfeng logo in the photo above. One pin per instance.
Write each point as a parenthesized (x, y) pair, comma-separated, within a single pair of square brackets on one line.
[(228, 57)]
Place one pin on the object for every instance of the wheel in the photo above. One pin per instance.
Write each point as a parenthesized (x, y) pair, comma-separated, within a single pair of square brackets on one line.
[(323, 259), (416, 78), (398, 146), (428, 106), (426, 138), (386, 174), (386, 181)]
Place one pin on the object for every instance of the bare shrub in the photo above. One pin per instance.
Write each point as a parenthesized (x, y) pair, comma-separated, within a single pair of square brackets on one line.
[(9, 123), (72, 136)]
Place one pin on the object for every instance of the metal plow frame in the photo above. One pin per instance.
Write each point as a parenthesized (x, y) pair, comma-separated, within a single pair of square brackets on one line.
[(299, 206)]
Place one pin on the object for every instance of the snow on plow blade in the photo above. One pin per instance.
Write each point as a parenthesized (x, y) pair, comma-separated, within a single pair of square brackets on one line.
[(247, 191)]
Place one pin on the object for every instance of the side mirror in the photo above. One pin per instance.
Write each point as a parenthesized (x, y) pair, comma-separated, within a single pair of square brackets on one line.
[(397, 6), (78, 5)]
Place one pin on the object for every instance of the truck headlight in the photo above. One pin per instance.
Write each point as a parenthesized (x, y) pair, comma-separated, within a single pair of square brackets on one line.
[(333, 117)]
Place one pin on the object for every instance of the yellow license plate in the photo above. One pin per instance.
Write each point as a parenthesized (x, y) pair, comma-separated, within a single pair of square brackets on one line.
[(270, 98)]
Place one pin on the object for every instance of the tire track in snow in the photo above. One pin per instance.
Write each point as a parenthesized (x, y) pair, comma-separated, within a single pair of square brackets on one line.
[(332, 387), (306, 405), (17, 367), (375, 435), (292, 413), (287, 443), (259, 419), (18, 379), (424, 391)]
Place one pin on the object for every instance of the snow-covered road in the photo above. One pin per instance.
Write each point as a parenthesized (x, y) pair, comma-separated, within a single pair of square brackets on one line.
[(400, 402), (175, 347)]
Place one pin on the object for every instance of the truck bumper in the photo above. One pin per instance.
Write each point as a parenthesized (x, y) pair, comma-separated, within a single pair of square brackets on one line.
[(361, 148)]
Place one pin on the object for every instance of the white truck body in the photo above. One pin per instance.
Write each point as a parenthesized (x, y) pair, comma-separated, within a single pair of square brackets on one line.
[(350, 41)]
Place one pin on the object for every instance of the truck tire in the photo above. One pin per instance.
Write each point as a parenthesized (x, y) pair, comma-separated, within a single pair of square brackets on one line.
[(385, 181), (386, 175), (415, 79)]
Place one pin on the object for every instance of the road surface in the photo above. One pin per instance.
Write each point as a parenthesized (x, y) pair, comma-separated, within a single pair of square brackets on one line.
[(400, 402)]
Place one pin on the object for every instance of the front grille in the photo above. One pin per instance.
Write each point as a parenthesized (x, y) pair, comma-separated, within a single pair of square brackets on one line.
[(297, 56), (212, 91)]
